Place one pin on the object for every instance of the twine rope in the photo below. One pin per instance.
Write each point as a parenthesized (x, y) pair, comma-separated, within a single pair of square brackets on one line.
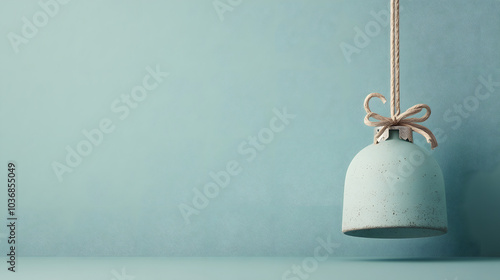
[(397, 119)]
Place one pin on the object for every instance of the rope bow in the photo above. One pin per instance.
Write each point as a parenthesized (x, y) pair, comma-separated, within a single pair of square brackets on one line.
[(397, 118), (400, 119)]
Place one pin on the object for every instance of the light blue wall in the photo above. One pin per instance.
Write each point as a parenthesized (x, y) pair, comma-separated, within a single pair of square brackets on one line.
[(227, 77)]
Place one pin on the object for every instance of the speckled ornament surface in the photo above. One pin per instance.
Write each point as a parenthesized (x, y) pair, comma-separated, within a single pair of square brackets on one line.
[(394, 189)]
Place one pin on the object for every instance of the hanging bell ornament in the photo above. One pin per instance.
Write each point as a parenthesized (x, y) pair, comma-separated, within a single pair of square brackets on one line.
[(394, 189)]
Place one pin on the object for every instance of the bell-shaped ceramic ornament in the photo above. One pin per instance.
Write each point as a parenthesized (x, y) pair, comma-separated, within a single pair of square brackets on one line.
[(394, 189)]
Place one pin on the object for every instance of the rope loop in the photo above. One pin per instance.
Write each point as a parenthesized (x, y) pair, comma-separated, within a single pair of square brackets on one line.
[(396, 117)]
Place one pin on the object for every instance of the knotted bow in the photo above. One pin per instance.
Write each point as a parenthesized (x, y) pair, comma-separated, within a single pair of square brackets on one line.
[(400, 119)]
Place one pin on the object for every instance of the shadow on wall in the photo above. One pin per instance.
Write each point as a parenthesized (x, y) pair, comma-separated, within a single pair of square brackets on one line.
[(481, 210)]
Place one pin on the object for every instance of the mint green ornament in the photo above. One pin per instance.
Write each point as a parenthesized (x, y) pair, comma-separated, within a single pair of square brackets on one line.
[(393, 188)]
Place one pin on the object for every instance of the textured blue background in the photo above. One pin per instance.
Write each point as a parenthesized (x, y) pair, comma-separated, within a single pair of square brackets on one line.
[(227, 75)]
